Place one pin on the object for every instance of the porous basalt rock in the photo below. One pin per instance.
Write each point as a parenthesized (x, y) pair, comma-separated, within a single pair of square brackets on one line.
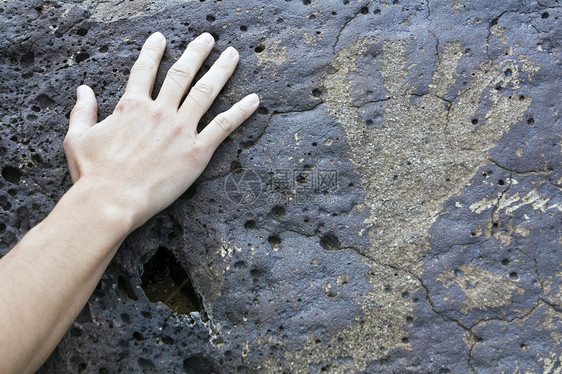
[(393, 206)]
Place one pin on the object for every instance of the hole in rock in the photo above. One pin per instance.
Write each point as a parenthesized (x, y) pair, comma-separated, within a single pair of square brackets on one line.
[(255, 273), (278, 211), (200, 364), (146, 364), (44, 101), (75, 332), (11, 174), (235, 165), (330, 242), (81, 56), (27, 59), (125, 318), (126, 289), (274, 240), (165, 280)]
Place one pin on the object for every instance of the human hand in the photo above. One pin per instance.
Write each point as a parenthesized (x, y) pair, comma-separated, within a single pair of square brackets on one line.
[(144, 155)]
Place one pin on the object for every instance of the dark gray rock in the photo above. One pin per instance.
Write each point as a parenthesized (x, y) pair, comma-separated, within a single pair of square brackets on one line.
[(402, 176)]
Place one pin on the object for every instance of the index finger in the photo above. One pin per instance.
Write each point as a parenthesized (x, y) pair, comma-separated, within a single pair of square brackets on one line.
[(143, 72)]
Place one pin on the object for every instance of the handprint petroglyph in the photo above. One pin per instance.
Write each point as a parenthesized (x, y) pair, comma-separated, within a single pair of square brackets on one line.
[(425, 150)]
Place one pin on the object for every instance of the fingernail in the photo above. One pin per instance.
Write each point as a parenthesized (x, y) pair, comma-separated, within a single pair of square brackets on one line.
[(253, 98), (207, 38), (78, 92), (230, 52), (158, 36)]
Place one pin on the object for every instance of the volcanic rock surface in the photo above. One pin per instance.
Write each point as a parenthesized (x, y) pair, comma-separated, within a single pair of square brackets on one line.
[(394, 205)]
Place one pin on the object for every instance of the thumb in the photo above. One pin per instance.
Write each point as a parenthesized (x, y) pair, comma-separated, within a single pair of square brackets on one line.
[(85, 112)]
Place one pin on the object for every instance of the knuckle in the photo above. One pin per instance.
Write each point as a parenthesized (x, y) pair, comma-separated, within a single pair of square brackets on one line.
[(78, 108), (199, 153), (244, 112), (156, 111), (67, 143), (203, 88), (126, 103), (152, 49), (223, 64), (224, 123), (142, 66), (180, 71), (176, 128), (195, 48), (75, 110)]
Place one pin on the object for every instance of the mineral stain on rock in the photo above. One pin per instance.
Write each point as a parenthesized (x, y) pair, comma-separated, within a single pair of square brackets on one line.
[(440, 248)]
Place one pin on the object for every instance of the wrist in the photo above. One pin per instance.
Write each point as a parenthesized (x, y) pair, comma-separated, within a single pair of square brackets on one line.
[(106, 202)]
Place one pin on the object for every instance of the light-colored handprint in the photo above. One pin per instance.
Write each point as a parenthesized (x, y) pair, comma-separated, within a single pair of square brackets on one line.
[(425, 151)]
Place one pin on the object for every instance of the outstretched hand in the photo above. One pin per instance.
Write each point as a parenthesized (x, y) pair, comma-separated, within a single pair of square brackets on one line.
[(125, 169), (148, 152)]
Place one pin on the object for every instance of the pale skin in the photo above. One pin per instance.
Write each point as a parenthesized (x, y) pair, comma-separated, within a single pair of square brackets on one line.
[(124, 169)]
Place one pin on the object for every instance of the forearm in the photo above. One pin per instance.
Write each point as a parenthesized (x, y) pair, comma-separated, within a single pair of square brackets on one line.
[(49, 276)]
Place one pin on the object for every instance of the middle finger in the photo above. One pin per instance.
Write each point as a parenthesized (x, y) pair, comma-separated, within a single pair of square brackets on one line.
[(181, 74), (204, 92)]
